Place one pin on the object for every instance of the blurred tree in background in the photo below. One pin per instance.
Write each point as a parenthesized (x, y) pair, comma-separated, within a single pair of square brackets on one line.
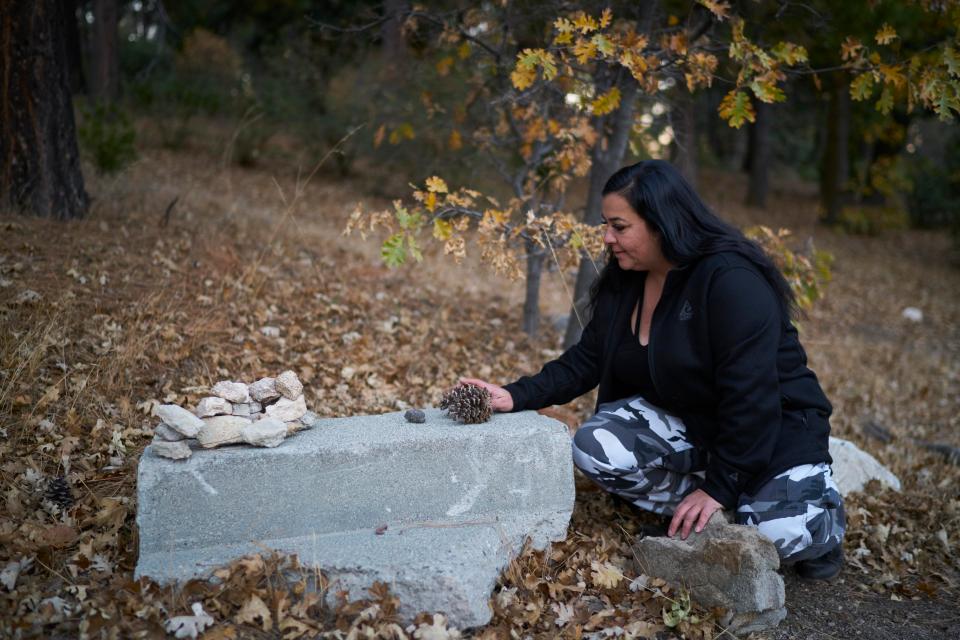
[(518, 98), (589, 68)]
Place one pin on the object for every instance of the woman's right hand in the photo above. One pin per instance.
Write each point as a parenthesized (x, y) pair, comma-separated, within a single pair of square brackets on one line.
[(500, 398)]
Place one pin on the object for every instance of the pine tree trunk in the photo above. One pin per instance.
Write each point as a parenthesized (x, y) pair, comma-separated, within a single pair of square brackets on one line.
[(605, 162), (759, 155), (39, 160), (78, 83), (685, 133), (835, 166), (531, 302), (105, 73), (391, 33)]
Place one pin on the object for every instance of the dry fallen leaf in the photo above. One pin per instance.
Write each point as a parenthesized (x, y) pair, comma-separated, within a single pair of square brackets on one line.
[(10, 573), (436, 630), (605, 575), (564, 611), (253, 609), (59, 536), (189, 626)]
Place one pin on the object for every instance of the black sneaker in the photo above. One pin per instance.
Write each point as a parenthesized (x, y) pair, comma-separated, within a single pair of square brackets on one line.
[(826, 567), (652, 530)]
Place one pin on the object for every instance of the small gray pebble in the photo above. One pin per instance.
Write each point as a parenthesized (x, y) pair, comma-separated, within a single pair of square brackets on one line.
[(415, 415)]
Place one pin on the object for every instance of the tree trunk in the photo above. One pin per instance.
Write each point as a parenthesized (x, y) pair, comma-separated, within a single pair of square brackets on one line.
[(105, 73), (835, 167), (40, 170), (391, 32), (74, 52), (759, 155), (531, 303), (605, 162), (685, 137)]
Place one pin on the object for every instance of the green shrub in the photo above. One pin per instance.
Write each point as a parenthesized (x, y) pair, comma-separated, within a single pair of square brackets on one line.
[(934, 201), (107, 136), (206, 77), (872, 220)]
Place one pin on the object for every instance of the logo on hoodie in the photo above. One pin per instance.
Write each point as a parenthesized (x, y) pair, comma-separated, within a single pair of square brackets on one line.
[(686, 311)]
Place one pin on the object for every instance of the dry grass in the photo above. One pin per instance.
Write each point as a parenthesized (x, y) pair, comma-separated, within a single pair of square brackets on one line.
[(137, 307)]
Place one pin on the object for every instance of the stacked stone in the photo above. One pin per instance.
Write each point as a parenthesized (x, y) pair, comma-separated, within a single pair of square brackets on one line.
[(261, 414)]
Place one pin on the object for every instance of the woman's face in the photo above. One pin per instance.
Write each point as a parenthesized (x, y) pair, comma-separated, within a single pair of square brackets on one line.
[(628, 236)]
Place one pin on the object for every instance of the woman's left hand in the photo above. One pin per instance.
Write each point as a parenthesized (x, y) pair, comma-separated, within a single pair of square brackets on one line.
[(697, 508)]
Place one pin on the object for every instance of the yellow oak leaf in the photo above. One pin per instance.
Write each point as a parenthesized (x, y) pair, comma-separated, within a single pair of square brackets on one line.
[(605, 575), (718, 8), (455, 141), (444, 65), (436, 185), (585, 50), (736, 109), (886, 34), (607, 102), (606, 16), (442, 229), (850, 48)]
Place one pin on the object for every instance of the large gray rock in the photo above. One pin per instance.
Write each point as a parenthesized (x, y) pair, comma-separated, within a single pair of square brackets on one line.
[(853, 468), (435, 510), (725, 565)]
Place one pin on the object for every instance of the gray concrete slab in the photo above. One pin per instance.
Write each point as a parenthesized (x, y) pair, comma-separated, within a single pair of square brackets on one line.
[(457, 501)]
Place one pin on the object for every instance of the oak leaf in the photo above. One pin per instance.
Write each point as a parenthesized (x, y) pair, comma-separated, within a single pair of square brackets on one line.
[(605, 575), (252, 609), (886, 34)]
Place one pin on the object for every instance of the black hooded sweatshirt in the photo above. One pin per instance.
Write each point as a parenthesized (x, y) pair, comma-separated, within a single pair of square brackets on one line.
[(723, 356)]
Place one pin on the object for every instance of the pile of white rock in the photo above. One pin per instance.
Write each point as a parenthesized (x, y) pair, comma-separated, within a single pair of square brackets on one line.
[(261, 414)]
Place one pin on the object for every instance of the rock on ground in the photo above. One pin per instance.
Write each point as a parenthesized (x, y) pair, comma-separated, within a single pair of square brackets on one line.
[(233, 391), (488, 488), (179, 419), (221, 430), (853, 468), (725, 565)]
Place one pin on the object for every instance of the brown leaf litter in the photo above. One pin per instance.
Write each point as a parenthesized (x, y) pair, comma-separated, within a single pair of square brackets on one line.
[(106, 317)]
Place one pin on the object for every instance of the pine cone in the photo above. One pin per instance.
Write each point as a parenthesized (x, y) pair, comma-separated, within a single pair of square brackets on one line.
[(467, 403), (58, 492)]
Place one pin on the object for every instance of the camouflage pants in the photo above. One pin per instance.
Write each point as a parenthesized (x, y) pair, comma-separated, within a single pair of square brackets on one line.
[(637, 451)]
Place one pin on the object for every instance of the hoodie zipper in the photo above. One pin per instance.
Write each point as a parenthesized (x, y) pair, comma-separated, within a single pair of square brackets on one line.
[(657, 311)]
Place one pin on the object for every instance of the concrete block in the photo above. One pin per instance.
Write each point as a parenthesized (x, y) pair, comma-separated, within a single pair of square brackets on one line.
[(457, 502)]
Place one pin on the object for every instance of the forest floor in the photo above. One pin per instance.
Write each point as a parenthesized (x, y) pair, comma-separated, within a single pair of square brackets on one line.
[(164, 288)]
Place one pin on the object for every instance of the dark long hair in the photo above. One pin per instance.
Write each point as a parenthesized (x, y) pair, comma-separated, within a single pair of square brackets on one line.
[(687, 229)]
